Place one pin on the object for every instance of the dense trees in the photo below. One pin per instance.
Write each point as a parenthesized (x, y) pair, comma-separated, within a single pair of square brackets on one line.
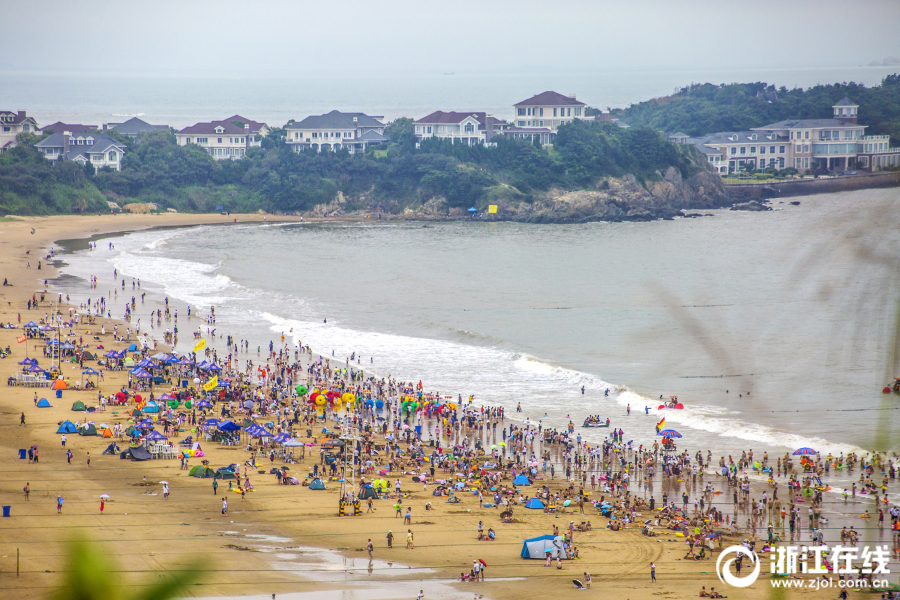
[(275, 178), (706, 108)]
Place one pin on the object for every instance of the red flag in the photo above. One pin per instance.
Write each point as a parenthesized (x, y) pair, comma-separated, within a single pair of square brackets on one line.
[(21, 339)]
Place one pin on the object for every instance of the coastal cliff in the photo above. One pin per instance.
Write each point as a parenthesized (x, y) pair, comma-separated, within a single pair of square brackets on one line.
[(612, 199)]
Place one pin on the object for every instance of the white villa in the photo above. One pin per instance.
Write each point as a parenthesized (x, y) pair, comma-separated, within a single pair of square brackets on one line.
[(227, 139), (459, 127), (839, 143), (538, 117), (11, 125), (96, 148), (334, 131)]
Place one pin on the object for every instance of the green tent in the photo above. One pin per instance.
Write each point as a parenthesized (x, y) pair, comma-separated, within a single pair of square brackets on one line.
[(316, 484), (224, 475), (202, 471), (87, 430), (88, 356), (78, 405)]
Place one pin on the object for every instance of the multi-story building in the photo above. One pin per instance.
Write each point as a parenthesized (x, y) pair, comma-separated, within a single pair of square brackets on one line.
[(459, 127), (732, 151), (227, 139), (11, 125), (538, 117), (96, 148), (335, 131), (836, 144)]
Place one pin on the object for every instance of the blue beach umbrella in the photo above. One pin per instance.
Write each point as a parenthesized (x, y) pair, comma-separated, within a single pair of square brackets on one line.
[(805, 452), (670, 433)]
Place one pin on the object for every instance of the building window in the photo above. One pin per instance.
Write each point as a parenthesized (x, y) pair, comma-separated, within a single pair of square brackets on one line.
[(780, 149), (771, 149), (541, 111), (187, 140), (469, 128), (568, 112), (541, 124), (762, 149), (799, 148), (429, 129), (806, 135), (743, 149), (112, 156), (220, 140), (26, 127), (806, 147), (577, 111), (752, 149), (554, 112), (521, 112), (733, 150)]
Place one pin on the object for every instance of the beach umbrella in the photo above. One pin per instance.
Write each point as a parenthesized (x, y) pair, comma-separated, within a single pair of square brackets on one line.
[(805, 452), (164, 483), (147, 364), (670, 433), (28, 361), (140, 373), (104, 496)]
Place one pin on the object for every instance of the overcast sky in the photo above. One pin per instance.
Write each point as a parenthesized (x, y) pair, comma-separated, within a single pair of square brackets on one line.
[(280, 35)]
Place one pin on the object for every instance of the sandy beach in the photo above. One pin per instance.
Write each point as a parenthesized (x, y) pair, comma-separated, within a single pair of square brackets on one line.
[(278, 539)]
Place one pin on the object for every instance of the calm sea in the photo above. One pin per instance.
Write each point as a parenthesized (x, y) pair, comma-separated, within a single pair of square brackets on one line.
[(769, 327), (180, 99)]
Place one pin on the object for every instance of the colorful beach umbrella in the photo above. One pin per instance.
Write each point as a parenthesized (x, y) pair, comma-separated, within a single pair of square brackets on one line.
[(805, 452), (670, 433)]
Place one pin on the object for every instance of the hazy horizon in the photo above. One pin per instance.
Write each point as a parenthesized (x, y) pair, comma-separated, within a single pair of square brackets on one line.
[(233, 37)]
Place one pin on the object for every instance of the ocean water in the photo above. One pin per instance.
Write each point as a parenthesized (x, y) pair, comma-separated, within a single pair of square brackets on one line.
[(771, 328), (182, 99)]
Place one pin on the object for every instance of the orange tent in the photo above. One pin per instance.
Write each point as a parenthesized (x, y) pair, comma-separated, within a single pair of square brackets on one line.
[(59, 384), (107, 433)]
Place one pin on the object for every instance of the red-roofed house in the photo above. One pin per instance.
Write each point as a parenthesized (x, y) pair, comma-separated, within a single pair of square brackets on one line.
[(226, 139), (538, 117), (11, 125), (458, 127)]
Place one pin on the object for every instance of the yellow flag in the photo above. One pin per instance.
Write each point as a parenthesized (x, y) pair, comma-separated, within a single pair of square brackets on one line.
[(200, 346), (211, 384), (492, 208)]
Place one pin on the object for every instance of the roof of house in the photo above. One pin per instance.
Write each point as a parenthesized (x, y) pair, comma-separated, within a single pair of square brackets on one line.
[(452, 117), (703, 147), (60, 127), (743, 137), (17, 117), (337, 120), (134, 126), (845, 101), (678, 134), (550, 99), (101, 143), (372, 136), (808, 123), (228, 126)]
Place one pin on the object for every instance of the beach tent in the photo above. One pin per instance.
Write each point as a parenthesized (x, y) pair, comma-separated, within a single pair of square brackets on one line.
[(107, 433), (316, 484), (151, 407), (140, 453), (42, 403), (535, 504), (155, 435), (88, 356), (204, 404), (228, 426), (135, 413), (368, 492), (538, 547), (87, 429), (59, 384), (67, 427), (132, 348), (78, 405), (224, 474), (202, 471), (128, 362), (521, 480)]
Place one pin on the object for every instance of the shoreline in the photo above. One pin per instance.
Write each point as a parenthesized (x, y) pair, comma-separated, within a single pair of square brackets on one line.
[(267, 514)]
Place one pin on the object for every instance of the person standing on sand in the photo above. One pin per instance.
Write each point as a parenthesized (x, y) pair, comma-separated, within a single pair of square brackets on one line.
[(653, 572), (88, 459), (225, 506), (27, 490), (166, 491), (102, 505), (22, 420), (409, 540), (215, 486), (59, 503), (369, 548), (390, 539)]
